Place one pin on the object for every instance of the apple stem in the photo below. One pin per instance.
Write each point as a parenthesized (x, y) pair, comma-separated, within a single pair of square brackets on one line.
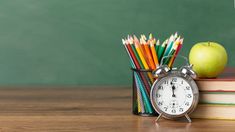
[(209, 43)]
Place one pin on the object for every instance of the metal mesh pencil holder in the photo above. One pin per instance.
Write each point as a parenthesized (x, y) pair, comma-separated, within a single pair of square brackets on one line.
[(142, 82)]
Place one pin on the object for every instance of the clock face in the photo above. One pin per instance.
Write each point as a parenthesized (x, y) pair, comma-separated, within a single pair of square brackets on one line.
[(174, 95)]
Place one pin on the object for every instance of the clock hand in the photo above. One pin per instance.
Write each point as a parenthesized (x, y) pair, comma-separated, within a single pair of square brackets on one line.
[(173, 90)]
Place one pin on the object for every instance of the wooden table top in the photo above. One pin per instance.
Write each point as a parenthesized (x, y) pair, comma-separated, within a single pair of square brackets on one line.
[(85, 109)]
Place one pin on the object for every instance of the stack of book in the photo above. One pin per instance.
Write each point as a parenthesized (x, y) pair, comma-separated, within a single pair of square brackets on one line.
[(217, 97)]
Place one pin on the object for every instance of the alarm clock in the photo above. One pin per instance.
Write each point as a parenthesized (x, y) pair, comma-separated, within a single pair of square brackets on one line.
[(174, 94)]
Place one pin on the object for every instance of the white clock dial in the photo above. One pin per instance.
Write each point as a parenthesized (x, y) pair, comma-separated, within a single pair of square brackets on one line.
[(174, 95)]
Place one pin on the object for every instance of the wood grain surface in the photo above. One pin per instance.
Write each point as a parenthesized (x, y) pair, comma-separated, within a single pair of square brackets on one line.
[(85, 110)]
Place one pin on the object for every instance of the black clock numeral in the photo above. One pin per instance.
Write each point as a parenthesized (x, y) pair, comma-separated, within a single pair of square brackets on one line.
[(187, 103), (174, 79), (165, 108), (166, 82), (160, 87), (181, 109), (187, 88), (160, 103), (173, 111), (158, 95), (182, 82), (189, 95)]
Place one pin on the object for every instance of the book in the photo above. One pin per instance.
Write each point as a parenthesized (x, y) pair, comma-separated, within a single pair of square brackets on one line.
[(225, 82), (227, 98), (208, 111)]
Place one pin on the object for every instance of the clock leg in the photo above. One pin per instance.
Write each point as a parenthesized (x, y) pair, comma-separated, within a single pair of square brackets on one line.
[(158, 117), (188, 118)]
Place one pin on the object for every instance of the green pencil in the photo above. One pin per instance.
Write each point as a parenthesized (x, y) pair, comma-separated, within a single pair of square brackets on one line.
[(169, 46), (161, 50), (157, 45), (172, 52)]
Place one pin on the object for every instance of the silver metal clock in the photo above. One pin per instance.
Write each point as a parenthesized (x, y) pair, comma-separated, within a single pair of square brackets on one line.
[(174, 94)]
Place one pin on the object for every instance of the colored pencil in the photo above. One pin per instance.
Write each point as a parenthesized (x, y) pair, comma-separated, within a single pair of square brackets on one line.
[(176, 44), (148, 55), (177, 51), (169, 46), (157, 45), (167, 59), (154, 54), (139, 99), (131, 60), (161, 50), (132, 55), (176, 35), (144, 51)]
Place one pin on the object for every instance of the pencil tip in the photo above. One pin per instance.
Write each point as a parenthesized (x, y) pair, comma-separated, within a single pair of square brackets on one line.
[(123, 41), (150, 36), (181, 41), (176, 34), (135, 37), (158, 42), (136, 40), (144, 37), (171, 38), (152, 41), (178, 39)]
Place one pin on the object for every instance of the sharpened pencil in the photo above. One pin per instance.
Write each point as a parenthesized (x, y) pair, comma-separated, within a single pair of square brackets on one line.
[(157, 45), (154, 54), (177, 51), (161, 50)]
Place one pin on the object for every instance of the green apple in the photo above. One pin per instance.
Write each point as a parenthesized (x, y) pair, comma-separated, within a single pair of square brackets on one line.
[(208, 58)]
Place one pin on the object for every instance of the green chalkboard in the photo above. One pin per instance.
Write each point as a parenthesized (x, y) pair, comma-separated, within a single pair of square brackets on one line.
[(78, 42)]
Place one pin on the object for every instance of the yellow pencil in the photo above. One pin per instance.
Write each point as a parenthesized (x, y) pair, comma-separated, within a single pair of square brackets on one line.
[(138, 49), (136, 40), (138, 104), (144, 50)]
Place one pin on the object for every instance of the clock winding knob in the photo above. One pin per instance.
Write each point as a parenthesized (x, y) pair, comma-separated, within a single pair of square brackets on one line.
[(161, 71), (189, 71)]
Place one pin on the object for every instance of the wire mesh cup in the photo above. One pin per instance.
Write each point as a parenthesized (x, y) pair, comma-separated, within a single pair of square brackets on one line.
[(142, 82)]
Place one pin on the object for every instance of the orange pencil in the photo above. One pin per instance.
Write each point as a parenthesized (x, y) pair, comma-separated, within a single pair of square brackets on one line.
[(154, 54), (142, 43), (148, 54), (142, 46)]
